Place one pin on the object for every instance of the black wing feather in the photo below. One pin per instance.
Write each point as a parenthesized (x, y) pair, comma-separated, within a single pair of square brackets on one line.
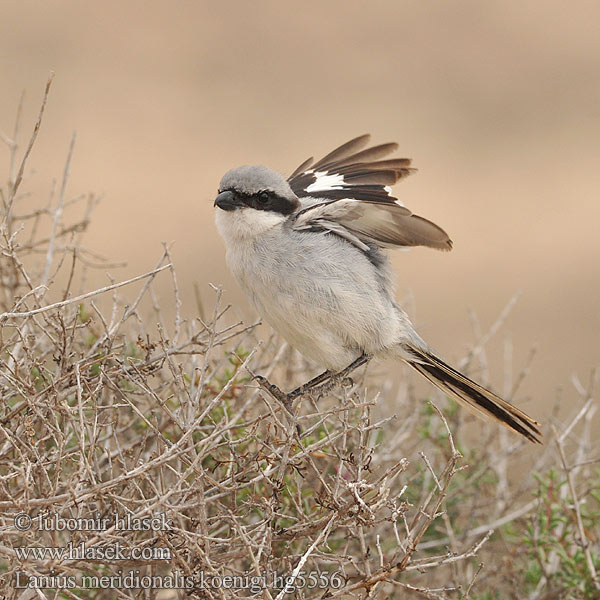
[(356, 200), (354, 166), (344, 151)]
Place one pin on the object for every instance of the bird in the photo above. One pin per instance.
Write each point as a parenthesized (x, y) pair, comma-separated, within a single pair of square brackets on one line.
[(309, 251)]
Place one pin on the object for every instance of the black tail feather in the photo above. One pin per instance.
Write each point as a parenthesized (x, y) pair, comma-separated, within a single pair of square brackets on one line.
[(472, 395)]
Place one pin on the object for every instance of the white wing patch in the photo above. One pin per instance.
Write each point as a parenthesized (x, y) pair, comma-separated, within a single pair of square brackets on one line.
[(388, 190), (324, 181), (348, 193)]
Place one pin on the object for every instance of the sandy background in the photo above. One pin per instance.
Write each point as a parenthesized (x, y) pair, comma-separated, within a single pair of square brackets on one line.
[(498, 103)]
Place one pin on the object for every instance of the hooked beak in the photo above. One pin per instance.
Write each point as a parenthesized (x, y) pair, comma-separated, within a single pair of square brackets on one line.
[(228, 200)]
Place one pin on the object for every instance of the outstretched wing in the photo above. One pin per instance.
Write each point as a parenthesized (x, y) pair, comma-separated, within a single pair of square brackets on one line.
[(356, 198), (352, 172), (385, 224)]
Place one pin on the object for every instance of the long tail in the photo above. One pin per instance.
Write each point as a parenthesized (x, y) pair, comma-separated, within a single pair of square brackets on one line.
[(472, 395)]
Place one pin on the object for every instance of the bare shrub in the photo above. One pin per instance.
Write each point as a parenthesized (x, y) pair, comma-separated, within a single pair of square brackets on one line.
[(140, 442)]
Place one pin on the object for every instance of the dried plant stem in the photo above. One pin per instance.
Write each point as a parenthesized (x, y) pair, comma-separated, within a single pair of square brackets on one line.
[(108, 288), (576, 507)]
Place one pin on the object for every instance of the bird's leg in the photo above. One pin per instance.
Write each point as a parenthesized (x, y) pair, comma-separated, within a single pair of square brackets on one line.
[(286, 399), (324, 376), (334, 378), (318, 385)]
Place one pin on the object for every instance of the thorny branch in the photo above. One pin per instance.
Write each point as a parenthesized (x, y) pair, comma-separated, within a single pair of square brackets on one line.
[(118, 406)]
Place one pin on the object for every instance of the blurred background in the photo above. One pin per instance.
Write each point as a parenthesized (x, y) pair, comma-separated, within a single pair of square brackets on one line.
[(498, 104)]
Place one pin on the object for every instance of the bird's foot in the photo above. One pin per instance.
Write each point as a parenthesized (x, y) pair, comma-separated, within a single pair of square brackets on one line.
[(339, 378), (278, 394), (316, 387), (334, 381), (312, 384)]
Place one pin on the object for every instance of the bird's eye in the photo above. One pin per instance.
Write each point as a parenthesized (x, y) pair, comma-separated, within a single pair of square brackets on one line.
[(263, 197)]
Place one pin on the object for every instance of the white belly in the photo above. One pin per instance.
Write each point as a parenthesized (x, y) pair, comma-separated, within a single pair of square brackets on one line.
[(329, 314)]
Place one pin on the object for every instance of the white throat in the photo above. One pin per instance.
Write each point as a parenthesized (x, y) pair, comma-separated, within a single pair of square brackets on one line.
[(245, 223)]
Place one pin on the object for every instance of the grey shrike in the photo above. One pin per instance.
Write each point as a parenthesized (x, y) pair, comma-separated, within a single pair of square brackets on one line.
[(309, 252)]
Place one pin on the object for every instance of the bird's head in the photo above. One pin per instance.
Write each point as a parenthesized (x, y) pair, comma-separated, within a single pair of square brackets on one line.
[(251, 200)]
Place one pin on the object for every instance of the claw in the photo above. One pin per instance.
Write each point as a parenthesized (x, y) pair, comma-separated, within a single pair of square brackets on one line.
[(272, 389)]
